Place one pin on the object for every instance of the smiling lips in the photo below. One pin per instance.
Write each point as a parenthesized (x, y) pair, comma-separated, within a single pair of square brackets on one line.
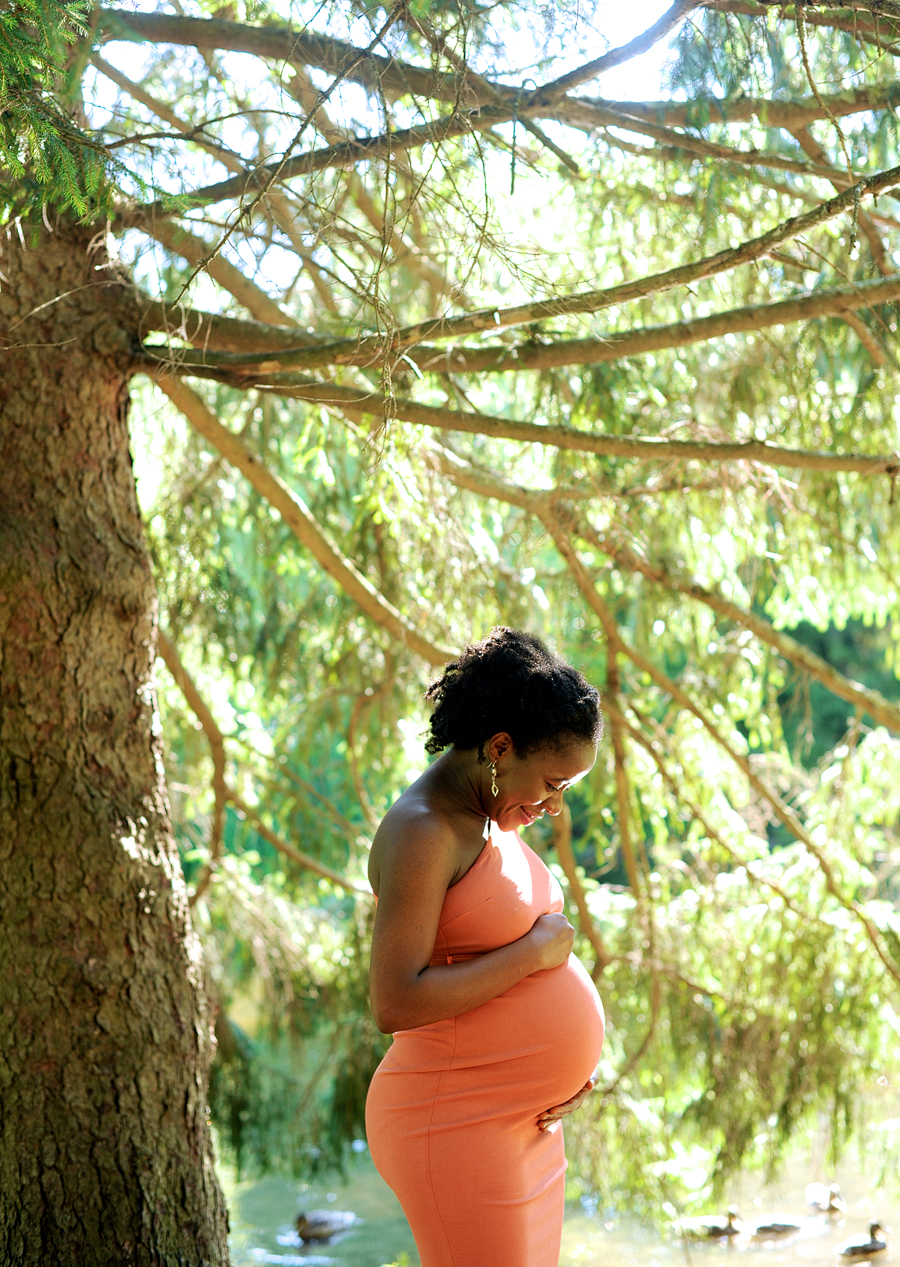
[(529, 817)]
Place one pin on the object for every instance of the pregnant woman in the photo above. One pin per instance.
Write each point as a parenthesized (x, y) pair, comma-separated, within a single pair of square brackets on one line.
[(497, 1027)]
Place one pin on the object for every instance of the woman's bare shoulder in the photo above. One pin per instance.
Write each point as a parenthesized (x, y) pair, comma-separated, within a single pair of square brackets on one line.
[(412, 827), (417, 836)]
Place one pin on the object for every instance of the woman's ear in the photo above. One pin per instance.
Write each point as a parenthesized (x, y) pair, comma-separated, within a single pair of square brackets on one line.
[(500, 745)]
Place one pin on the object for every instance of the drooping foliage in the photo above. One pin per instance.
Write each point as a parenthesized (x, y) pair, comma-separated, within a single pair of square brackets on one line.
[(434, 339)]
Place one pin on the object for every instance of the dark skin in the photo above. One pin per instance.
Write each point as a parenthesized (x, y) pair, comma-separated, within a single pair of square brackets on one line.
[(427, 842)]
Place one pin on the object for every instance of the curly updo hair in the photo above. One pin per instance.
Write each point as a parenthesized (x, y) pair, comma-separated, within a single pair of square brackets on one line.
[(511, 681)]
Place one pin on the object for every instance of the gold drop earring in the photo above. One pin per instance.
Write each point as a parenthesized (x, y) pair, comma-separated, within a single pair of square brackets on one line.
[(494, 788)]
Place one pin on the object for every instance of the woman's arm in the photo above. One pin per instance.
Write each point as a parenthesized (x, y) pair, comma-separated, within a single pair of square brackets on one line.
[(414, 871)]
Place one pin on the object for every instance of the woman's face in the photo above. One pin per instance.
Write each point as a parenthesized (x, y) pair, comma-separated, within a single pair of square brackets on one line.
[(534, 784)]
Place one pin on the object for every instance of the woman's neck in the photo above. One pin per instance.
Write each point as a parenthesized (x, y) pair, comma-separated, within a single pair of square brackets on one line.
[(462, 782)]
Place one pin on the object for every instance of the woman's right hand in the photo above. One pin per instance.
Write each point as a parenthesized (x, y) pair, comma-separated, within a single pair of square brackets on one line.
[(552, 938)]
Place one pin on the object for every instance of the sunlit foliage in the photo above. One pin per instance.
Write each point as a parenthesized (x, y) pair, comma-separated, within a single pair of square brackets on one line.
[(738, 838)]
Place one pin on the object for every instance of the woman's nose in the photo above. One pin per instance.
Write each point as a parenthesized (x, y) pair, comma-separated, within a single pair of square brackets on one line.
[(553, 804)]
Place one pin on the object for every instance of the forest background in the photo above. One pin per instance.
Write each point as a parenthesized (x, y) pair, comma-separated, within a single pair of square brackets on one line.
[(421, 334)]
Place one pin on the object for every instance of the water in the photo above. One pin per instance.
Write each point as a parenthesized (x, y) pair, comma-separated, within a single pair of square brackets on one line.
[(262, 1215)]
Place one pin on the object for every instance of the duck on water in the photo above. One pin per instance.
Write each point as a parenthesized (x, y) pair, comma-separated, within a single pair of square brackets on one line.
[(826, 1200), (322, 1225), (857, 1248), (711, 1227)]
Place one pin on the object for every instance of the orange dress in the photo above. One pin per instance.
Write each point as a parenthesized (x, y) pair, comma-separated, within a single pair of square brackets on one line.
[(451, 1114)]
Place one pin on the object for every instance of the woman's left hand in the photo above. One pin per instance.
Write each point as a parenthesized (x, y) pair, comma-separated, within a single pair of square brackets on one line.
[(562, 1110)]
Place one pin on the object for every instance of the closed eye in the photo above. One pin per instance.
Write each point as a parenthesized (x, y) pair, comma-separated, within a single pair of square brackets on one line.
[(550, 786)]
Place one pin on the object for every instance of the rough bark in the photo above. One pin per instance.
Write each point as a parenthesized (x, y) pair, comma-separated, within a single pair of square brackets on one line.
[(105, 1035)]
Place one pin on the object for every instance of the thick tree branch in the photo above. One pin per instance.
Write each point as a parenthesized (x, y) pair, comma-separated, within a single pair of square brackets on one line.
[(700, 112), (483, 117), (212, 331), (556, 88), (396, 78), (373, 71), (346, 154), (499, 358), (298, 518), (875, 29), (368, 350), (508, 358), (357, 403)]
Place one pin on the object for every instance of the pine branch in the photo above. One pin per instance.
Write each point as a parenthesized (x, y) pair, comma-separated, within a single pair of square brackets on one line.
[(225, 793), (624, 555), (298, 518), (355, 402), (366, 350), (363, 149), (623, 798), (781, 810), (386, 145), (615, 57), (197, 251), (405, 252), (689, 143), (194, 249), (701, 112), (165, 112), (883, 711), (840, 180), (872, 345), (290, 851), (678, 791), (511, 358), (883, 32), (499, 358), (215, 332), (216, 740), (561, 834), (470, 78), (373, 71), (497, 103)]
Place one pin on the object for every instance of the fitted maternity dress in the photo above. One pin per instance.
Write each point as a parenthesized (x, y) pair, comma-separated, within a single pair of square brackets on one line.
[(452, 1111)]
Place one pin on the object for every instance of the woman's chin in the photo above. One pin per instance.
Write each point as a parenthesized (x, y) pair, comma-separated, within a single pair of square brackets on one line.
[(516, 819)]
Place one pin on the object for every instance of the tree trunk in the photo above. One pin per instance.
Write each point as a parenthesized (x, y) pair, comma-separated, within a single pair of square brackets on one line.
[(105, 1033)]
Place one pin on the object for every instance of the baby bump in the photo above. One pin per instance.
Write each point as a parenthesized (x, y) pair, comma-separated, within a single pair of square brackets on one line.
[(525, 1051), (543, 1037)]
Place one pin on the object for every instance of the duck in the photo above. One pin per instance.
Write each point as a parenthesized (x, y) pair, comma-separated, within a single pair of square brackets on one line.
[(862, 1246), (711, 1227), (321, 1225), (774, 1227), (826, 1200)]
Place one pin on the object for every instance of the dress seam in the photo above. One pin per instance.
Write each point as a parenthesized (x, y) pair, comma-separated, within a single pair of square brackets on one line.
[(434, 1103)]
